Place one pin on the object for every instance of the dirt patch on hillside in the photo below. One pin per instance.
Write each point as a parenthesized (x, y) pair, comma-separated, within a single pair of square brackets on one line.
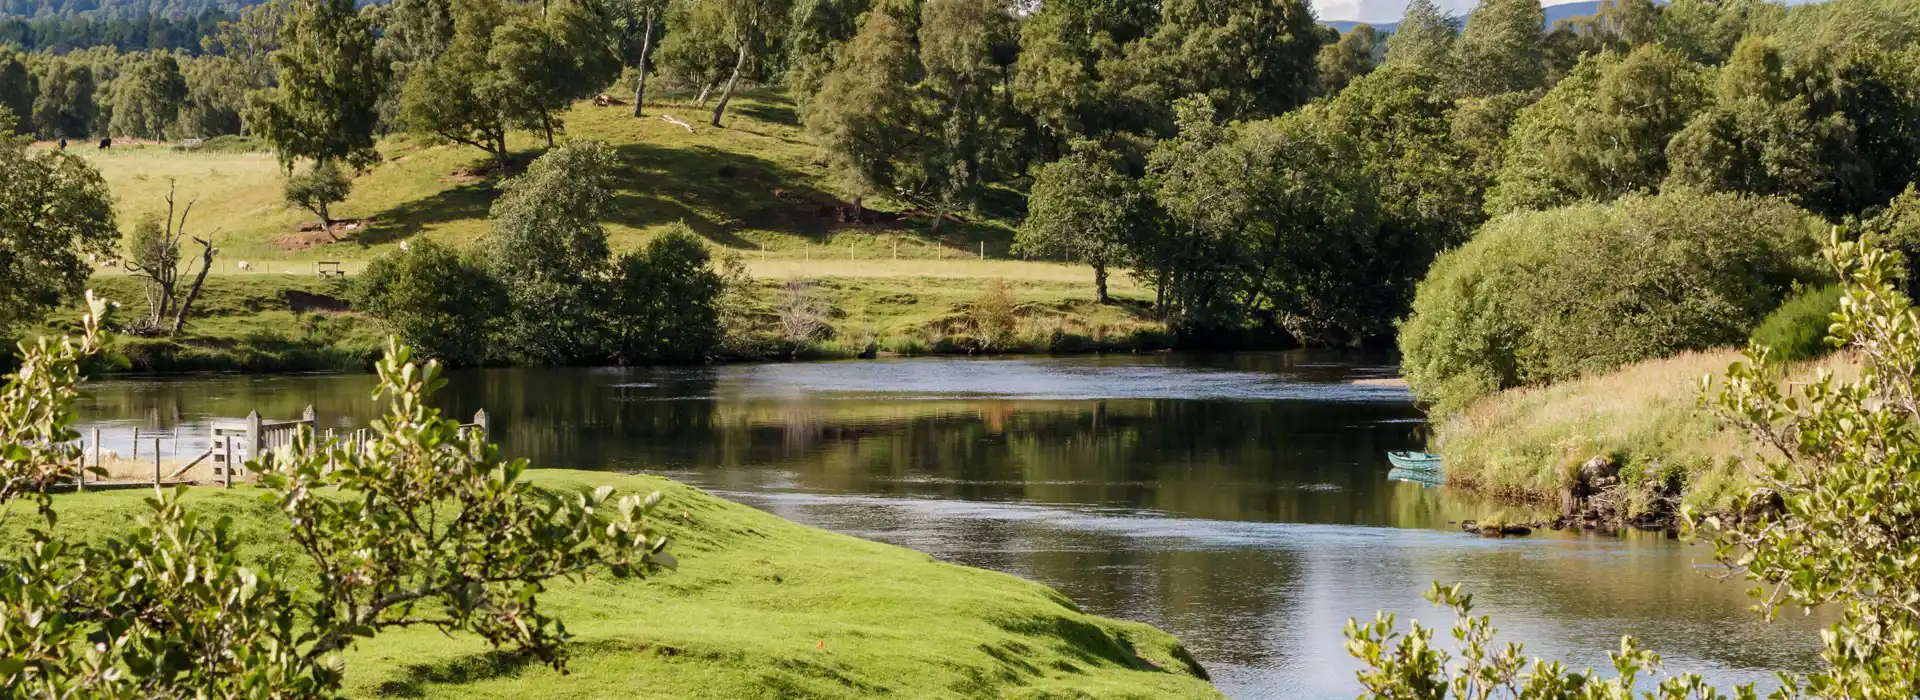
[(311, 235)]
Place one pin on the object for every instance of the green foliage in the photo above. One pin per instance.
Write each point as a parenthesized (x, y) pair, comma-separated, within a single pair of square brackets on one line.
[(148, 97), (1798, 329), (863, 117), (549, 253), (1833, 506), (1501, 49), (1756, 138), (816, 31), (1600, 133), (317, 190), (55, 213), (18, 87), (1085, 208), (666, 299), (1060, 78), (1705, 31), (322, 108), (1547, 296), (1340, 62), (439, 532), (1423, 38), (434, 300), (65, 106), (1410, 665), (994, 320), (1252, 58)]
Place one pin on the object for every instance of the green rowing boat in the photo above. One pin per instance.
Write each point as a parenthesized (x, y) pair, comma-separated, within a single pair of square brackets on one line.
[(1415, 461)]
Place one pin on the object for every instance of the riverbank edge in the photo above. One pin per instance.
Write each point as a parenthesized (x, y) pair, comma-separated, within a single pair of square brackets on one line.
[(1626, 449), (760, 607)]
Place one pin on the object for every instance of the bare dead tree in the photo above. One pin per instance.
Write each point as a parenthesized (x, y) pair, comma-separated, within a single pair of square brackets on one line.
[(154, 254)]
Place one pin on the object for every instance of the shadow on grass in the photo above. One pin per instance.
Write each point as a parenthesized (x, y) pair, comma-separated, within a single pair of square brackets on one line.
[(718, 192), (458, 203)]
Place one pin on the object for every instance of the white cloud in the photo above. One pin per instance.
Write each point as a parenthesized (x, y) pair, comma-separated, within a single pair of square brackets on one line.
[(1381, 11)]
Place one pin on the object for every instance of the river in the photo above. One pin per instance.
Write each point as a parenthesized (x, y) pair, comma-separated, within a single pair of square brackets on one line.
[(1239, 501)]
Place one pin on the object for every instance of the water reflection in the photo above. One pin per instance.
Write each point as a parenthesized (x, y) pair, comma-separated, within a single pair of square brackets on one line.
[(1240, 502)]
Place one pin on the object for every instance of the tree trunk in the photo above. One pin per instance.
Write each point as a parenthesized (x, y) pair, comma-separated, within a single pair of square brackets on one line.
[(186, 305), (701, 101), (546, 123), (646, 47), (1100, 283), (326, 221), (739, 65)]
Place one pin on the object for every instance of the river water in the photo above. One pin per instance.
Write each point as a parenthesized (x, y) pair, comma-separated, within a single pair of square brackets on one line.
[(1240, 502)]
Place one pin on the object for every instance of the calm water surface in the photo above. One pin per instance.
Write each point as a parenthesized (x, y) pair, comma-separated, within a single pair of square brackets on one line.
[(1239, 502)]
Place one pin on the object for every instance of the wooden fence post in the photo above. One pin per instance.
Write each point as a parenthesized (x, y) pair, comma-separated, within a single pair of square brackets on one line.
[(480, 421), (255, 443), (156, 463)]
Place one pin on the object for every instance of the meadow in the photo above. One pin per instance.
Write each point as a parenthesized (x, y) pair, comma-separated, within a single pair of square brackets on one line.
[(754, 189)]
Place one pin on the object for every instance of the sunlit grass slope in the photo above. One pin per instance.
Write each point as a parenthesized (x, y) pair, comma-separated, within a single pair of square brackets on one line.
[(1526, 442), (760, 608), (754, 184)]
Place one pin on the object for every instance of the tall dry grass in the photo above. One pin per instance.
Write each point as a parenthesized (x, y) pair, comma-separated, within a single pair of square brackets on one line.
[(1525, 443)]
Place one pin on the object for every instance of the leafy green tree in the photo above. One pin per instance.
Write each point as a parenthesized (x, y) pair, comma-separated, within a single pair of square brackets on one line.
[(666, 300), (1399, 120), (645, 15), (694, 53), (1060, 78), (964, 110), (1600, 133), (752, 28), (1501, 49), (148, 96), (1545, 296), (434, 300), (323, 108), (863, 118), (1087, 208), (544, 62), (317, 190), (1631, 22), (18, 88), (817, 29), (1424, 39), (171, 607), (1253, 58), (412, 33), (216, 97), (550, 254), (55, 213), (1705, 31), (65, 106), (458, 95), (1756, 137), (1341, 62), (1275, 215)]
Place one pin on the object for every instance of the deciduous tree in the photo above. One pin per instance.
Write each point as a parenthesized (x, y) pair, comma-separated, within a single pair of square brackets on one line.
[(1501, 49), (1086, 208), (55, 213)]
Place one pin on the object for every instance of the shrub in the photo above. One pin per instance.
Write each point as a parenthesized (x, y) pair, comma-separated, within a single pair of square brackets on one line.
[(993, 316), (1543, 296), (433, 300), (665, 300), (1798, 329)]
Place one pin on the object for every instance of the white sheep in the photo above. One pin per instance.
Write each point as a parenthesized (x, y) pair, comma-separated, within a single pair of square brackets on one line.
[(244, 265), (403, 245)]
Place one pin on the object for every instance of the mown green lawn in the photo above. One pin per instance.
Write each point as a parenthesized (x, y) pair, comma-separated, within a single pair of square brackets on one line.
[(760, 608)]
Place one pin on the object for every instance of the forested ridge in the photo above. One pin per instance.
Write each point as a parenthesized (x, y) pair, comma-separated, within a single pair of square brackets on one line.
[(1260, 173)]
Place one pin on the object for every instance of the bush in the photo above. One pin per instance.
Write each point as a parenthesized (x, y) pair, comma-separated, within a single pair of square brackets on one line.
[(665, 298), (1798, 329), (993, 316), (1542, 296), (433, 300)]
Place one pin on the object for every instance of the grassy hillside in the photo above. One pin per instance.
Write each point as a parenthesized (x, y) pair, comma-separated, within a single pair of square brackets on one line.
[(755, 188), (760, 608)]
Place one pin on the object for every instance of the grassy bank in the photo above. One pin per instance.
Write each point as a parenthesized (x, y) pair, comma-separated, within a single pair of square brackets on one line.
[(761, 608), (1528, 443)]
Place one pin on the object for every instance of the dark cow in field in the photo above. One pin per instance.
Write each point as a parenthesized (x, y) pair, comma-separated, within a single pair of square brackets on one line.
[(106, 143)]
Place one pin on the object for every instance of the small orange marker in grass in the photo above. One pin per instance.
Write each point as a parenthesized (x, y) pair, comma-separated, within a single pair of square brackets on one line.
[(823, 644)]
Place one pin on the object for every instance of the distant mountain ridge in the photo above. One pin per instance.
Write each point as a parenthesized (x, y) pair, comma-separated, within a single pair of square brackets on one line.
[(1555, 13)]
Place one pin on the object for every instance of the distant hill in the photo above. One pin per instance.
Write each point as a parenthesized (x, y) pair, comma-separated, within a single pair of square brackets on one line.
[(1555, 13)]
